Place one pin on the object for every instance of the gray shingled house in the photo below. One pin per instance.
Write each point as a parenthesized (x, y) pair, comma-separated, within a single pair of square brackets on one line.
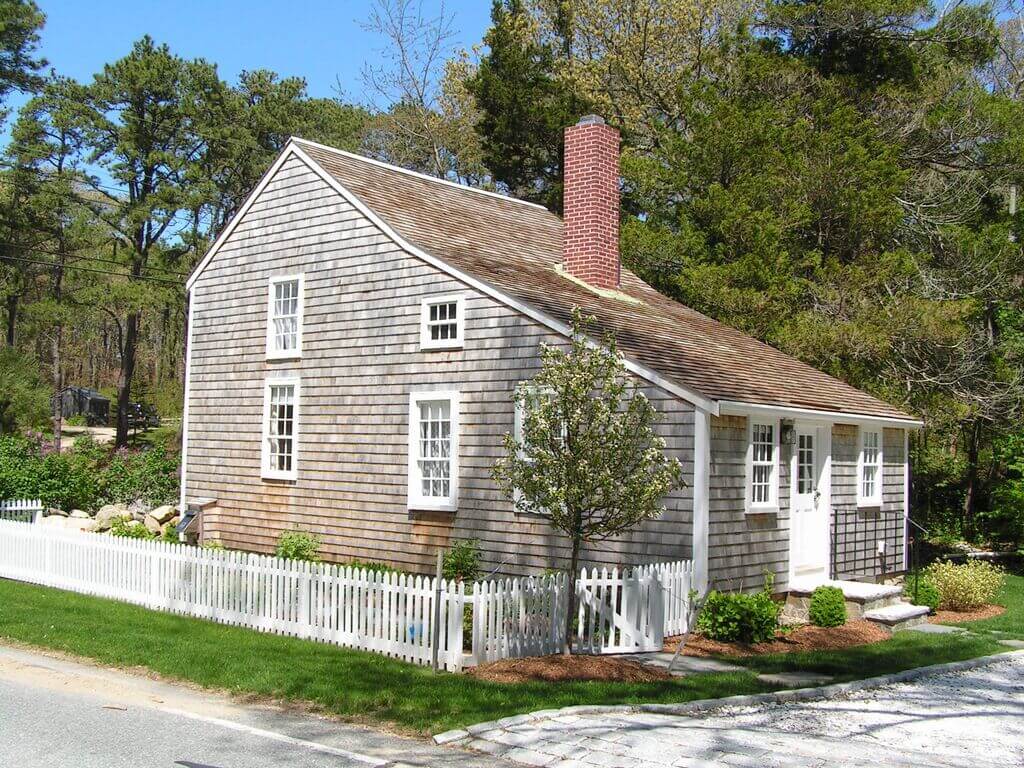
[(355, 336)]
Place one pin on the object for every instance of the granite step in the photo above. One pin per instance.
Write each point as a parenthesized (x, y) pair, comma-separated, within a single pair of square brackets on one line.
[(860, 596), (899, 616)]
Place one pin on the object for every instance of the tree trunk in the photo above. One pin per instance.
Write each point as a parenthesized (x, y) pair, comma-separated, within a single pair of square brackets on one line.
[(124, 382), (12, 317), (574, 562), (971, 485)]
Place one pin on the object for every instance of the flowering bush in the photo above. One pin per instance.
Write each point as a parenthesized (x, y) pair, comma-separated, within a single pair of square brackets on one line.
[(966, 587), (298, 545)]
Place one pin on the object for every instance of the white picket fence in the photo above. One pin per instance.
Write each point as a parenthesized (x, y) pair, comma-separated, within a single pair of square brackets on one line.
[(388, 613), (21, 510)]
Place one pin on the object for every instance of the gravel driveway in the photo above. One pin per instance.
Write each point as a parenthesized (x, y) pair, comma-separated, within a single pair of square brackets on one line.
[(973, 718)]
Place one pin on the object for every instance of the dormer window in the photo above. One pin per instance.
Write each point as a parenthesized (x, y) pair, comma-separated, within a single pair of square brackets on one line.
[(284, 317), (442, 322)]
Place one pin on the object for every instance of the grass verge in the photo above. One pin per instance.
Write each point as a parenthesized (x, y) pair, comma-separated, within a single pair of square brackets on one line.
[(342, 682), (367, 687)]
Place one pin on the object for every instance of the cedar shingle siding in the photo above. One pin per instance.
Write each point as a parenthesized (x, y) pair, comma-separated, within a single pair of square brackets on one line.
[(361, 358)]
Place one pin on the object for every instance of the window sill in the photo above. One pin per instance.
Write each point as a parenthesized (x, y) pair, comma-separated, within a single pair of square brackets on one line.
[(768, 509), (441, 347), (869, 506), (279, 478), (426, 506), (281, 357)]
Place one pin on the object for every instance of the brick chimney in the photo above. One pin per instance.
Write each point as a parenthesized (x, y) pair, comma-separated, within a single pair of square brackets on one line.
[(590, 248)]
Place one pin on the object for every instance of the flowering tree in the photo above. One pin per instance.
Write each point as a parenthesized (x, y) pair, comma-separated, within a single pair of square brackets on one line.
[(586, 455)]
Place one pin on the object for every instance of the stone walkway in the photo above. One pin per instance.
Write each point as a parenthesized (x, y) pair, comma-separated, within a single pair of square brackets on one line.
[(974, 718)]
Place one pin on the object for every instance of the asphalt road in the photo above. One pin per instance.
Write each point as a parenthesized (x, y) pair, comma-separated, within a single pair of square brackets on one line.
[(59, 713)]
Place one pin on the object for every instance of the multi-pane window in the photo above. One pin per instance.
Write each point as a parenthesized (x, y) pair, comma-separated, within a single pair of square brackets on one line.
[(806, 476), (442, 322), (284, 313), (870, 484), (280, 429), (433, 446), (762, 464), (435, 455)]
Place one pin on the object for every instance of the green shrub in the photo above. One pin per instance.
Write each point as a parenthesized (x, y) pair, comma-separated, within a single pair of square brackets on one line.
[(85, 477), (922, 592), (462, 561), (371, 566), (739, 617), (24, 398), (298, 545), (828, 607), (120, 527), (966, 587)]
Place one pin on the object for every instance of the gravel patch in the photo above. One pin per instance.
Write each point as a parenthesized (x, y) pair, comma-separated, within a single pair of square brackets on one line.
[(973, 717)]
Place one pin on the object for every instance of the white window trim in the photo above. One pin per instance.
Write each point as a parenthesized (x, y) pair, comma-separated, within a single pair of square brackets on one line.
[(417, 501), (876, 500), (772, 505), (286, 354), (460, 322), (517, 435), (267, 473)]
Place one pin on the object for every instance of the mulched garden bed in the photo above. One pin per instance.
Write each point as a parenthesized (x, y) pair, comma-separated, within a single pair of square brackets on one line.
[(955, 617), (803, 638), (560, 668)]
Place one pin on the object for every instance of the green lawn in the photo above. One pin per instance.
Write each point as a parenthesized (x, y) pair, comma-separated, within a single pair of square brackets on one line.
[(364, 686)]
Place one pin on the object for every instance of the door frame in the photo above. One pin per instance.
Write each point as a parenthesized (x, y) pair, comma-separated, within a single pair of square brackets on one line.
[(823, 459)]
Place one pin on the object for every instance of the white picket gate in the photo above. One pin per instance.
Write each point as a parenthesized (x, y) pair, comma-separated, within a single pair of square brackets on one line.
[(618, 612), (21, 510), (388, 613)]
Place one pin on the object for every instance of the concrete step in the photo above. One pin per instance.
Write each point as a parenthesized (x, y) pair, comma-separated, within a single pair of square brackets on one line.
[(861, 597), (898, 616)]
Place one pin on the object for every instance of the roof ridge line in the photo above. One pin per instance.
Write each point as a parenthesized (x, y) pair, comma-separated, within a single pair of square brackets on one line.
[(424, 176)]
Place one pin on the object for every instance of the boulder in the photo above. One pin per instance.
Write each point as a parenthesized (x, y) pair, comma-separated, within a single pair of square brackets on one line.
[(108, 514), (54, 521), (164, 513), (138, 517), (77, 523), (152, 524), (132, 524), (54, 512), (80, 514)]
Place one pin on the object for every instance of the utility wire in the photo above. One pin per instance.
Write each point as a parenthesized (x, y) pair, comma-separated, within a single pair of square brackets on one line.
[(96, 271), (35, 249)]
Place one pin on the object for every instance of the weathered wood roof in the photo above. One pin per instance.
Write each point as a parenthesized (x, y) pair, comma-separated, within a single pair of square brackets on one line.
[(515, 247)]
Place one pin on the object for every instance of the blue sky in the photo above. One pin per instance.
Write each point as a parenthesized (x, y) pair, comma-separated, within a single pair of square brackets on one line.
[(319, 40)]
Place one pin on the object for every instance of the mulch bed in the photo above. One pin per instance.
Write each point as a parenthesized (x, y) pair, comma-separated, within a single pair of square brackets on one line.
[(562, 668), (954, 617), (804, 638)]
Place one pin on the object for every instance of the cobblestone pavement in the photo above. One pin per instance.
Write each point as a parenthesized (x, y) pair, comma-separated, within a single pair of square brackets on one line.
[(972, 718)]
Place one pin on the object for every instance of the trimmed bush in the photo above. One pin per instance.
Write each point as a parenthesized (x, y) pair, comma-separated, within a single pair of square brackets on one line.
[(828, 607), (966, 587), (923, 592), (298, 545), (738, 617)]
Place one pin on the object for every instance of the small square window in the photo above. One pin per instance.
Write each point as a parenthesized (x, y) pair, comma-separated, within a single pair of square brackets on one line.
[(442, 320)]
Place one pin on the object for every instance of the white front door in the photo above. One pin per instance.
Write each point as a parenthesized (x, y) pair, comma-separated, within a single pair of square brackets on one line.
[(809, 516)]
